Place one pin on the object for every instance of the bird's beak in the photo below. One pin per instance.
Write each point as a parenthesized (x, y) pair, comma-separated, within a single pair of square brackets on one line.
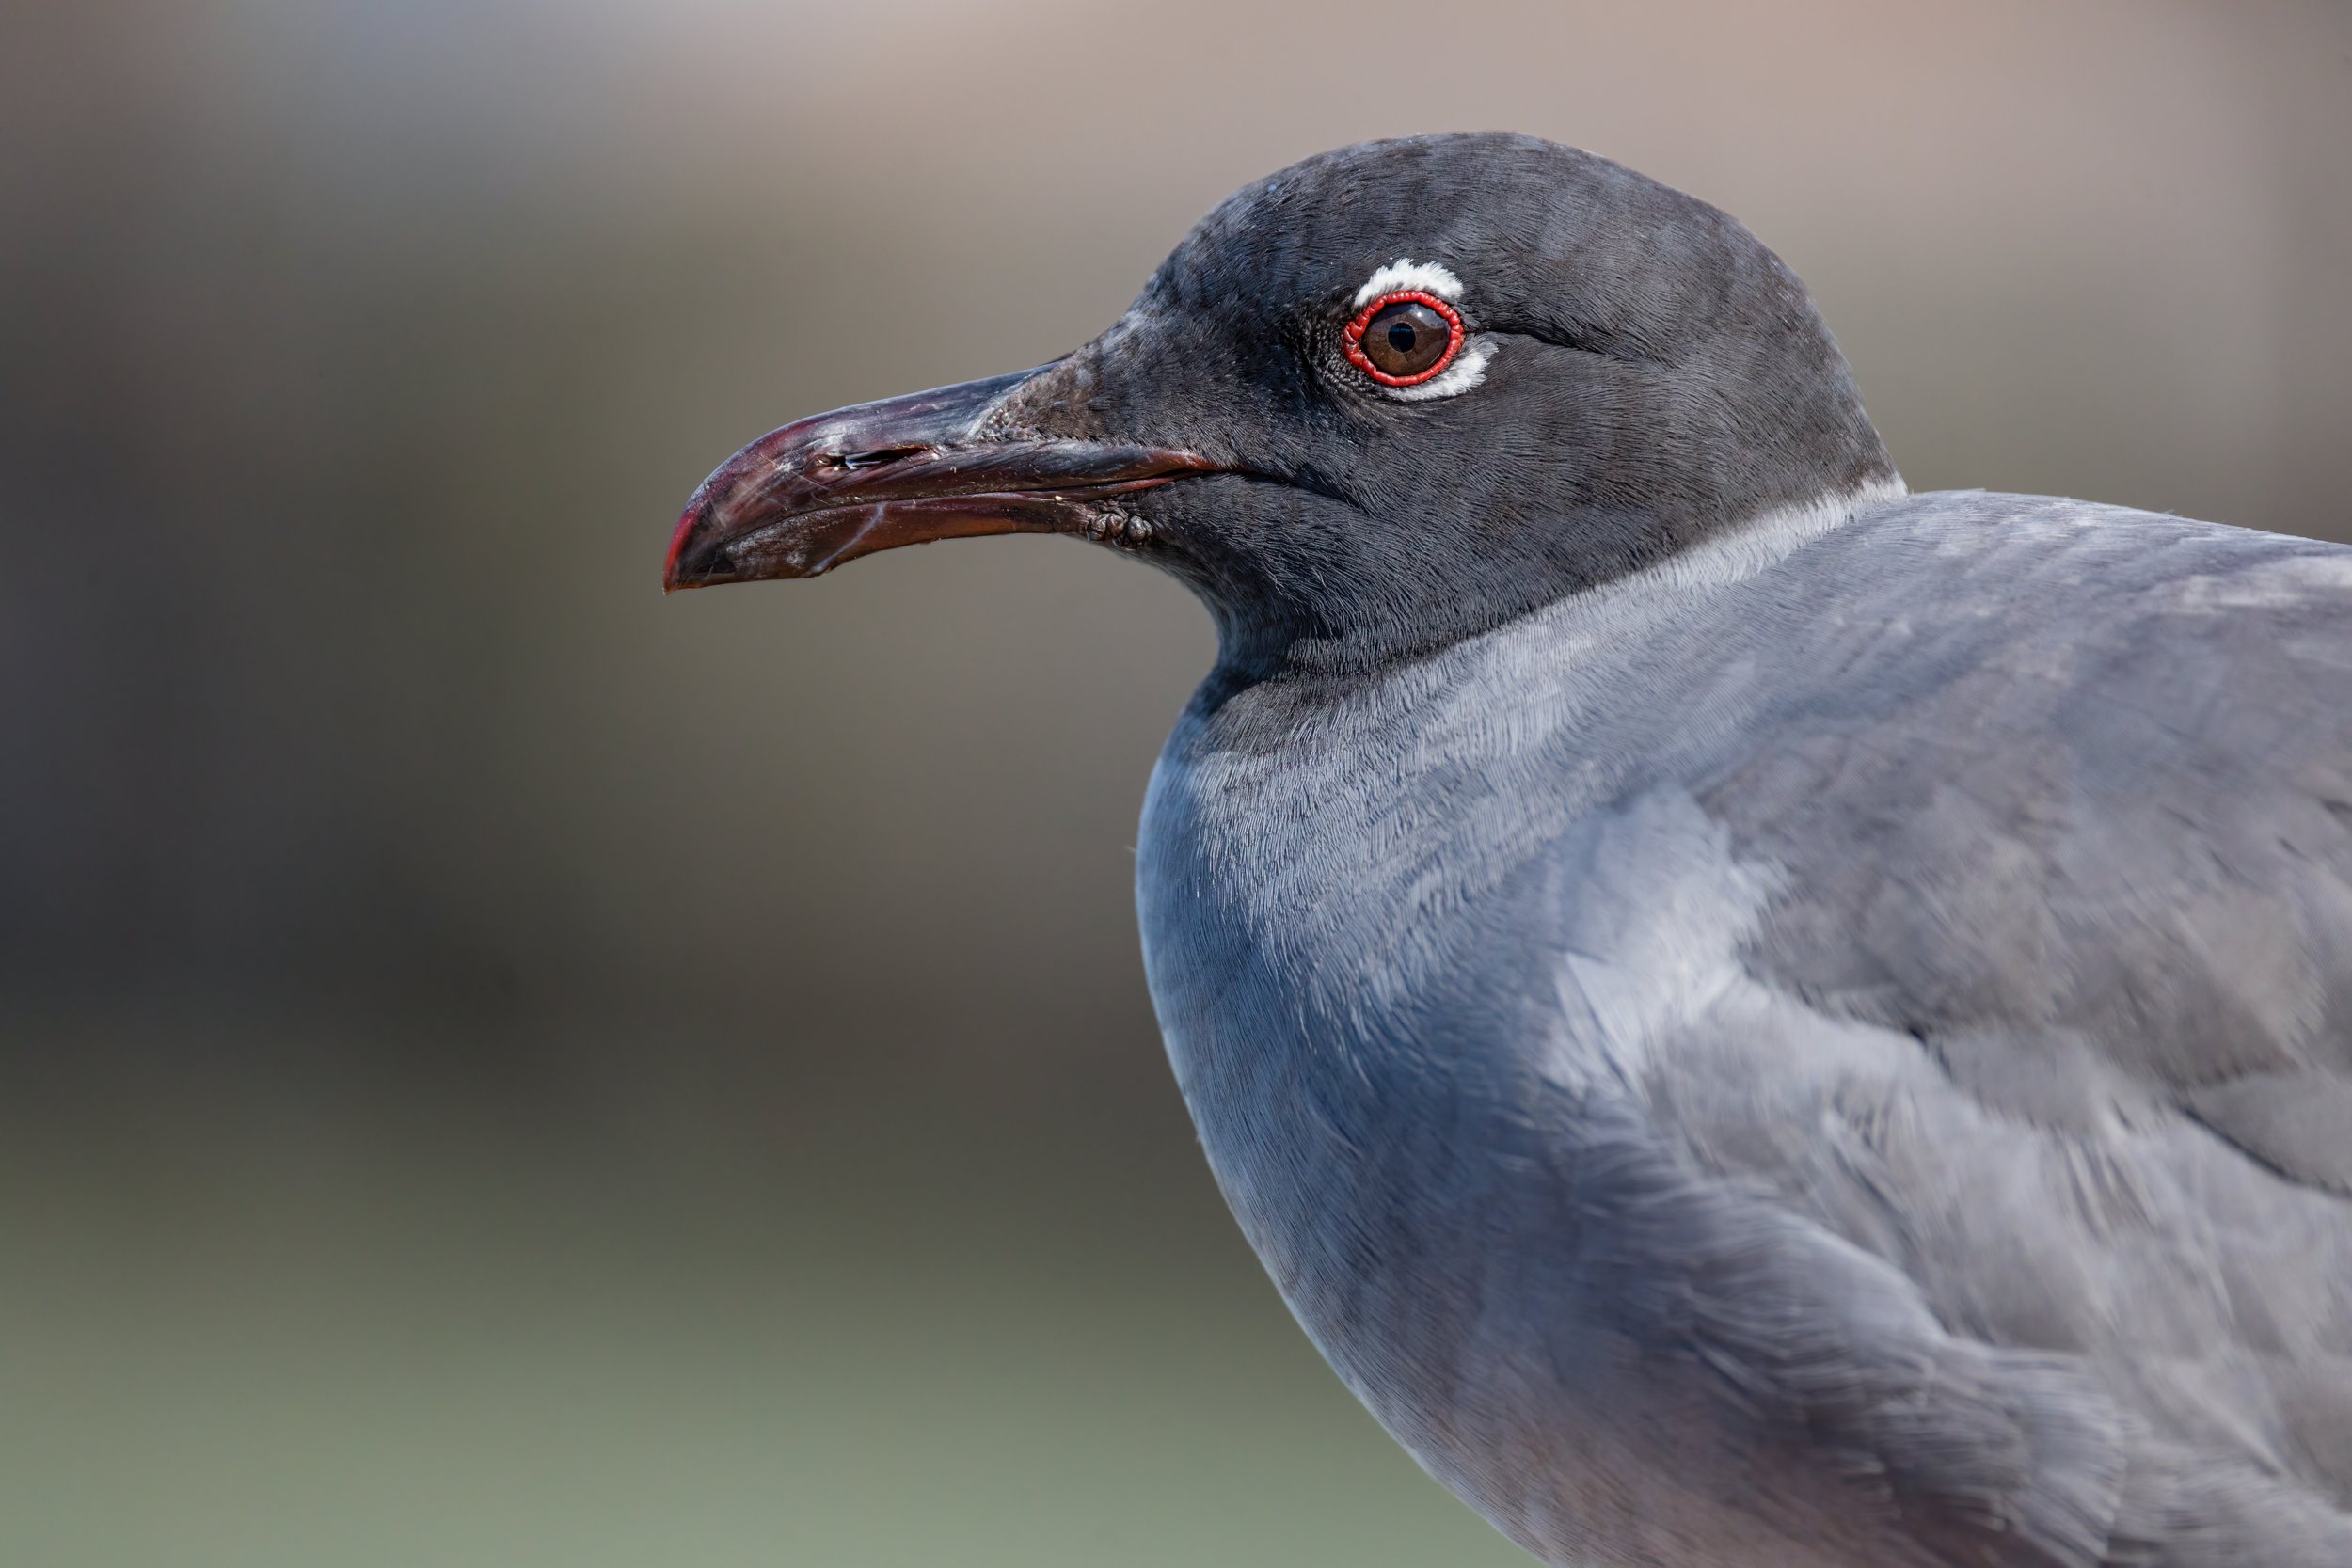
[(802, 499)]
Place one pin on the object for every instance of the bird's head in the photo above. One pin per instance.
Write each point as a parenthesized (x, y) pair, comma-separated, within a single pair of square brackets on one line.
[(1380, 400)]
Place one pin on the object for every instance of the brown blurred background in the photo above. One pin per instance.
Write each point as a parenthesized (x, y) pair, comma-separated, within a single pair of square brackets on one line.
[(496, 1068)]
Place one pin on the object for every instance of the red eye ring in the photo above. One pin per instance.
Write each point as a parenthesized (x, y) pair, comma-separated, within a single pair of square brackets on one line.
[(1353, 338)]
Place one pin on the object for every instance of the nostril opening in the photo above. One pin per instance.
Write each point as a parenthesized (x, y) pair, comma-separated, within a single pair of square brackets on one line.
[(853, 460)]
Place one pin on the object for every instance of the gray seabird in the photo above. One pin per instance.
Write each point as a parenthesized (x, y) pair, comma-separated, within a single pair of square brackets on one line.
[(1756, 1019)]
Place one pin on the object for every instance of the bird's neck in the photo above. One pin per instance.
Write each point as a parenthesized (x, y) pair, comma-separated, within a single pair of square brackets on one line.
[(1389, 625)]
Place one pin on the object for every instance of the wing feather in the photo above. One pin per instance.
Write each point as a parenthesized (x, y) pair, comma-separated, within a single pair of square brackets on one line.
[(2054, 984)]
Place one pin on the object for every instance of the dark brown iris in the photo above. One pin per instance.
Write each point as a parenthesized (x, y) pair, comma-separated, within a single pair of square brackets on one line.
[(1405, 338)]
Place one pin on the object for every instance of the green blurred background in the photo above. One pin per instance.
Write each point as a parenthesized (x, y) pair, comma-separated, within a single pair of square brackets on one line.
[(499, 1068)]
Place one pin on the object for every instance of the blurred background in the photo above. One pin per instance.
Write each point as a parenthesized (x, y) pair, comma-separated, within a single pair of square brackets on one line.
[(496, 1068)]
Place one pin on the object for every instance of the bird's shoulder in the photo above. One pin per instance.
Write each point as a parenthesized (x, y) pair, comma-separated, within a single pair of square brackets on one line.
[(2004, 937), (2096, 787)]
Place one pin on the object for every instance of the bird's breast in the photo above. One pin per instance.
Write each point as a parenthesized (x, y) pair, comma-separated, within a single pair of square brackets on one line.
[(1311, 911)]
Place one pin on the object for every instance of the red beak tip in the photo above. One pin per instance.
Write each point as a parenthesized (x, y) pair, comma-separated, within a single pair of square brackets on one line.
[(677, 545)]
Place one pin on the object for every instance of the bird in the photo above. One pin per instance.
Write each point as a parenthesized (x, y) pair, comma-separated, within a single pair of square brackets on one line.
[(1754, 1017)]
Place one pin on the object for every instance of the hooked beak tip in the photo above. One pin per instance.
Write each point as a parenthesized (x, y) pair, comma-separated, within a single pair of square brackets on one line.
[(678, 537), (687, 566)]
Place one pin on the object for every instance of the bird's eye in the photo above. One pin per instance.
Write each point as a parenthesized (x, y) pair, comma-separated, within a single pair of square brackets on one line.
[(1402, 339)]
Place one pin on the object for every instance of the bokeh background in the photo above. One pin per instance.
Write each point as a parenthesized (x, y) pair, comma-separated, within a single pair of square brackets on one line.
[(500, 1069)]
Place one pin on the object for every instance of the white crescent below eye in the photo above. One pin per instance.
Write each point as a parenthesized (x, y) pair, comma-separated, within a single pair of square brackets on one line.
[(1467, 370)]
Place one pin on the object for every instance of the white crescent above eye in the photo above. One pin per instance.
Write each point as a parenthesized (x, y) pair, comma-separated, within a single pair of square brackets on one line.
[(1404, 276), (1407, 275)]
